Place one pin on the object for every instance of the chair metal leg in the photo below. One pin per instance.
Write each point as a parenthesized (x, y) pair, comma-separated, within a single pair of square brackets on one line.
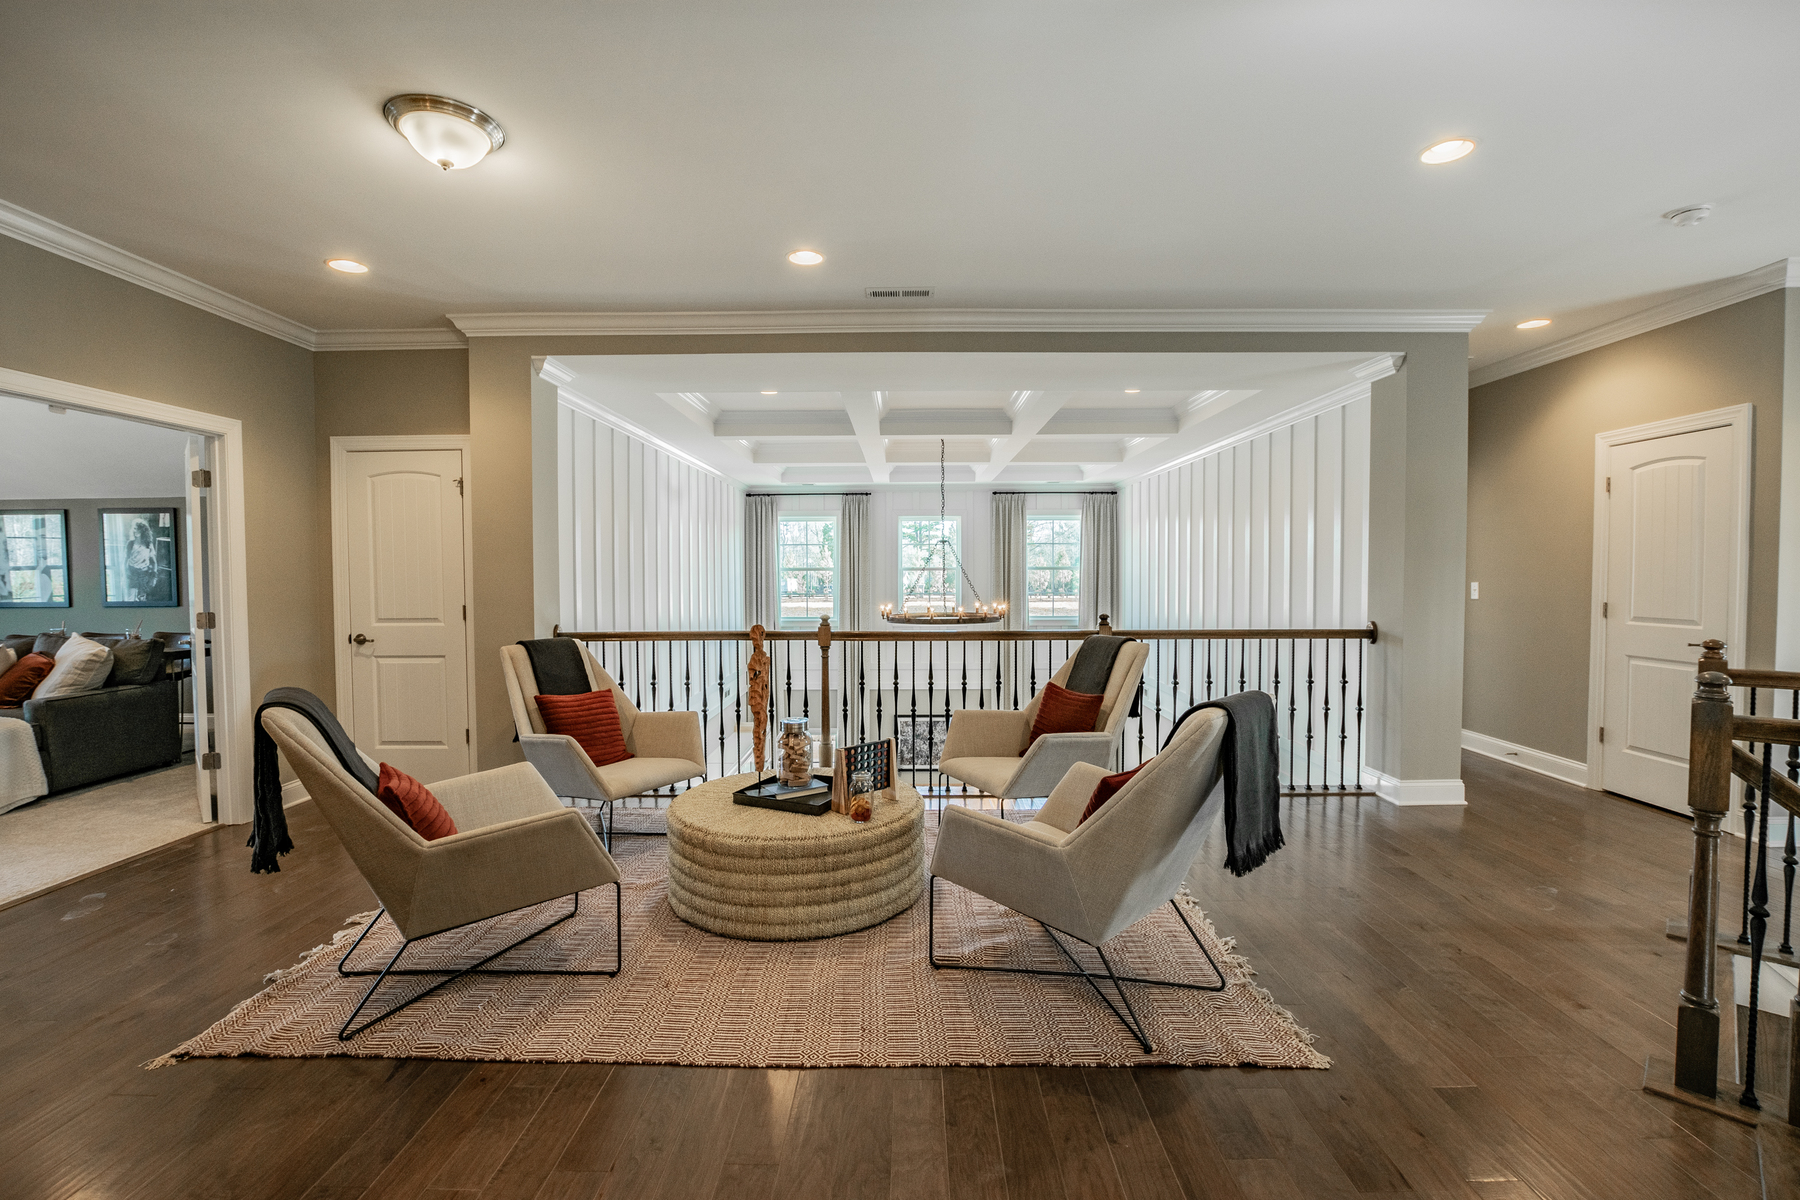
[(1128, 1017), (452, 974)]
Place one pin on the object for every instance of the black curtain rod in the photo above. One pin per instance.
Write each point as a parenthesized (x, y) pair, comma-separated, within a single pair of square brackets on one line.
[(1114, 492), (749, 494)]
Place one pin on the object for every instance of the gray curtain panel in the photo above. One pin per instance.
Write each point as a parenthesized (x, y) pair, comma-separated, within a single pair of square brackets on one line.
[(762, 602), (1099, 558), (853, 563), (1009, 557)]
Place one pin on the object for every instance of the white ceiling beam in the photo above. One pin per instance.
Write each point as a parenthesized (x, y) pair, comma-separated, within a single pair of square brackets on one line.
[(864, 411), (793, 423), (945, 422), (1111, 422), (1031, 411), (807, 452)]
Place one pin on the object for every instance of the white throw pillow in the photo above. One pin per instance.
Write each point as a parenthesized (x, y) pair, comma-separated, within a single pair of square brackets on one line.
[(82, 665), (7, 659)]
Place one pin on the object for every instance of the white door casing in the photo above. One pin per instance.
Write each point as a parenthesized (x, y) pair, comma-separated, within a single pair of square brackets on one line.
[(1671, 560), (401, 560)]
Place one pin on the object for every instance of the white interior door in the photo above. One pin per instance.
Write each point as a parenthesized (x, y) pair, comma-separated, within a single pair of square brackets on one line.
[(1671, 581), (406, 637), (199, 596)]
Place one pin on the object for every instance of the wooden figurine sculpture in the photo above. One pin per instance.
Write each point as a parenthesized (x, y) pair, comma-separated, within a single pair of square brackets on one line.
[(758, 694)]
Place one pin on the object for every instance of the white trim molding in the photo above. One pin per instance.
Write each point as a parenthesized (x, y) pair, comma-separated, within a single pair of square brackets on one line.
[(1782, 273), (1350, 393), (36, 230), (1414, 793), (1741, 419), (231, 577), (1555, 766), (292, 793), (971, 320)]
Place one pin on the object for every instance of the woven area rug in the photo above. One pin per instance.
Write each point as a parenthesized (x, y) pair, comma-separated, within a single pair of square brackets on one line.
[(685, 996)]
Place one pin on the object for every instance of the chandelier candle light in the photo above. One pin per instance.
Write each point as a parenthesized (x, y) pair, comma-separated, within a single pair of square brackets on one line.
[(942, 554)]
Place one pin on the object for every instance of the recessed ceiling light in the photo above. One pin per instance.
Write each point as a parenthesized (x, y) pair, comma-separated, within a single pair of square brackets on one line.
[(1132, 391), (445, 132), (1448, 151), (768, 393), (806, 258), (1534, 323), (348, 266)]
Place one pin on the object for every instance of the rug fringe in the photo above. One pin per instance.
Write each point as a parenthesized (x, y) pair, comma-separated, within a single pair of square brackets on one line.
[(1242, 965)]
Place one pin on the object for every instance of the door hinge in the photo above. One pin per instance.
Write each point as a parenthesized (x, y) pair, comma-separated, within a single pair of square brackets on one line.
[(459, 490), (202, 478), (1609, 485), (1604, 606), (213, 761), (206, 620), (465, 737), (465, 612), (1603, 735)]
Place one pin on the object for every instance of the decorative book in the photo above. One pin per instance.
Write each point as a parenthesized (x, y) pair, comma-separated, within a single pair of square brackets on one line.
[(810, 800)]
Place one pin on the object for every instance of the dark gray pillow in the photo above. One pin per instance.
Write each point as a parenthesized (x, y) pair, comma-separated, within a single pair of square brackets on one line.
[(19, 643), (136, 660), (48, 644)]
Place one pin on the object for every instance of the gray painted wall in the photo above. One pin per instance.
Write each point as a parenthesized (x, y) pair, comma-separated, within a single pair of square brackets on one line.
[(86, 612)]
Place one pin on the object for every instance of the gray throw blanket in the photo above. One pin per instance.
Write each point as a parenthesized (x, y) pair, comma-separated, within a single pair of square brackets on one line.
[(268, 834), (1094, 664), (557, 664), (1252, 779)]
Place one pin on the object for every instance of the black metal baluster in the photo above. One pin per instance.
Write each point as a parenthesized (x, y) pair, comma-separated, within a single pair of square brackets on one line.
[(1749, 840), (877, 693), (1209, 668), (1243, 657), (1759, 924), (862, 691), (1325, 724), (1787, 856), (787, 686), (940, 780), (912, 711), (1359, 714), (1343, 703), (1309, 714)]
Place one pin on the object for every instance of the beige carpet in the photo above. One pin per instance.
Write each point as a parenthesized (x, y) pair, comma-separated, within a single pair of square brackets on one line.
[(63, 837), (868, 998)]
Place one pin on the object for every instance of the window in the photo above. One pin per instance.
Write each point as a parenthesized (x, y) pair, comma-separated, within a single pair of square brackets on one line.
[(928, 579), (808, 566), (34, 559), (1053, 569)]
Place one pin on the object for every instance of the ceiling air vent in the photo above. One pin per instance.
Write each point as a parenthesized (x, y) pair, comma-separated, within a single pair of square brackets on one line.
[(897, 293)]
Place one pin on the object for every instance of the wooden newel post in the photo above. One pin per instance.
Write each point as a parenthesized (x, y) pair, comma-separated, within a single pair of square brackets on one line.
[(1709, 795), (825, 692), (1105, 625)]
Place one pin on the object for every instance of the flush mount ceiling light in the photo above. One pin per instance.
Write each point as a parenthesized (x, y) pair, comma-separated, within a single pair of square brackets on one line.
[(446, 132), (348, 266), (806, 258), (1687, 215), (1448, 151), (1534, 323)]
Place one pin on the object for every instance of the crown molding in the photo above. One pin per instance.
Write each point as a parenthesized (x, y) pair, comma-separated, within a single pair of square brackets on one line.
[(57, 238), (599, 412), (970, 320), (1336, 398), (1782, 273), (389, 339)]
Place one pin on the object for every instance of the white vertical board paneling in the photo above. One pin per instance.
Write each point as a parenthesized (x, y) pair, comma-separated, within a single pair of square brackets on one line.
[(648, 541), (1269, 533)]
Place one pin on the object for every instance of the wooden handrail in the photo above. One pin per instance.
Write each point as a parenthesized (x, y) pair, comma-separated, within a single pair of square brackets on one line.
[(1712, 658), (1783, 791), (1368, 634)]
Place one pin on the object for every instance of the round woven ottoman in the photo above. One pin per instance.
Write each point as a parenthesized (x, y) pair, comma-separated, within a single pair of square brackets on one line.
[(770, 876)]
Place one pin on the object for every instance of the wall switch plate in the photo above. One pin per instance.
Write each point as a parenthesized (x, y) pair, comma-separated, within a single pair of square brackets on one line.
[(1474, 590)]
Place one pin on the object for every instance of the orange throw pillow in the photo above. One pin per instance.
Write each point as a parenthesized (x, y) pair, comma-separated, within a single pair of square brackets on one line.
[(591, 718), (1063, 711), (21, 679), (1104, 790), (413, 803)]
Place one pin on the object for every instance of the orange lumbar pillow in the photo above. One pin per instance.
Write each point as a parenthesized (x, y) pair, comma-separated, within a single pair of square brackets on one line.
[(413, 803), (591, 718), (1063, 711), (22, 679), (1104, 790)]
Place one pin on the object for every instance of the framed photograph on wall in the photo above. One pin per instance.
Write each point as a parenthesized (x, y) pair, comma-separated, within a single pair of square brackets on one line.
[(139, 566), (34, 558)]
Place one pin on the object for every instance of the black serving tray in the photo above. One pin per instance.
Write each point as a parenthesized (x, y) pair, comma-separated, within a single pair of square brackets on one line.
[(812, 801)]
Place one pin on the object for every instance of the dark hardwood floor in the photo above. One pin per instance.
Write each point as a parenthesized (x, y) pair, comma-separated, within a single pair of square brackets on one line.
[(1488, 980)]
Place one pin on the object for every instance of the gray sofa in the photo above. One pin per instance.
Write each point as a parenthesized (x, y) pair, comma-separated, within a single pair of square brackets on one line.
[(99, 735)]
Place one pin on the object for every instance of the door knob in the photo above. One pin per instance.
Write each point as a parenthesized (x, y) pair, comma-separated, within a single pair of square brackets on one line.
[(360, 640)]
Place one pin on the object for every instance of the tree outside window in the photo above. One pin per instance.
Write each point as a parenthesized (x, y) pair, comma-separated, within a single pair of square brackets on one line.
[(1053, 569), (808, 566), (928, 573)]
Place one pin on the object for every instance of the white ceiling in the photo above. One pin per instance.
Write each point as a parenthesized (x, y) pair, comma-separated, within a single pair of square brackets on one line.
[(1020, 154), (1003, 418), (76, 455)]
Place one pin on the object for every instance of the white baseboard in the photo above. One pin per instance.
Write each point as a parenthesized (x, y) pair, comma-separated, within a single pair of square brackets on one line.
[(292, 793), (1565, 769), (1414, 792)]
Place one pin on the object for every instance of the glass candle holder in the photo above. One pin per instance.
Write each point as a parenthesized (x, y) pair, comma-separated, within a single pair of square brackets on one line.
[(862, 795), (796, 753)]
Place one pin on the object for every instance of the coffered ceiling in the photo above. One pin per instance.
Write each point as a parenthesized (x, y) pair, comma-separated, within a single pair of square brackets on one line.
[(1008, 154), (798, 419)]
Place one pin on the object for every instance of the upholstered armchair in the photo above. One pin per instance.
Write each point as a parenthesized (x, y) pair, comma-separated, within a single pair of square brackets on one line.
[(1090, 880), (515, 846), (985, 748), (666, 746)]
